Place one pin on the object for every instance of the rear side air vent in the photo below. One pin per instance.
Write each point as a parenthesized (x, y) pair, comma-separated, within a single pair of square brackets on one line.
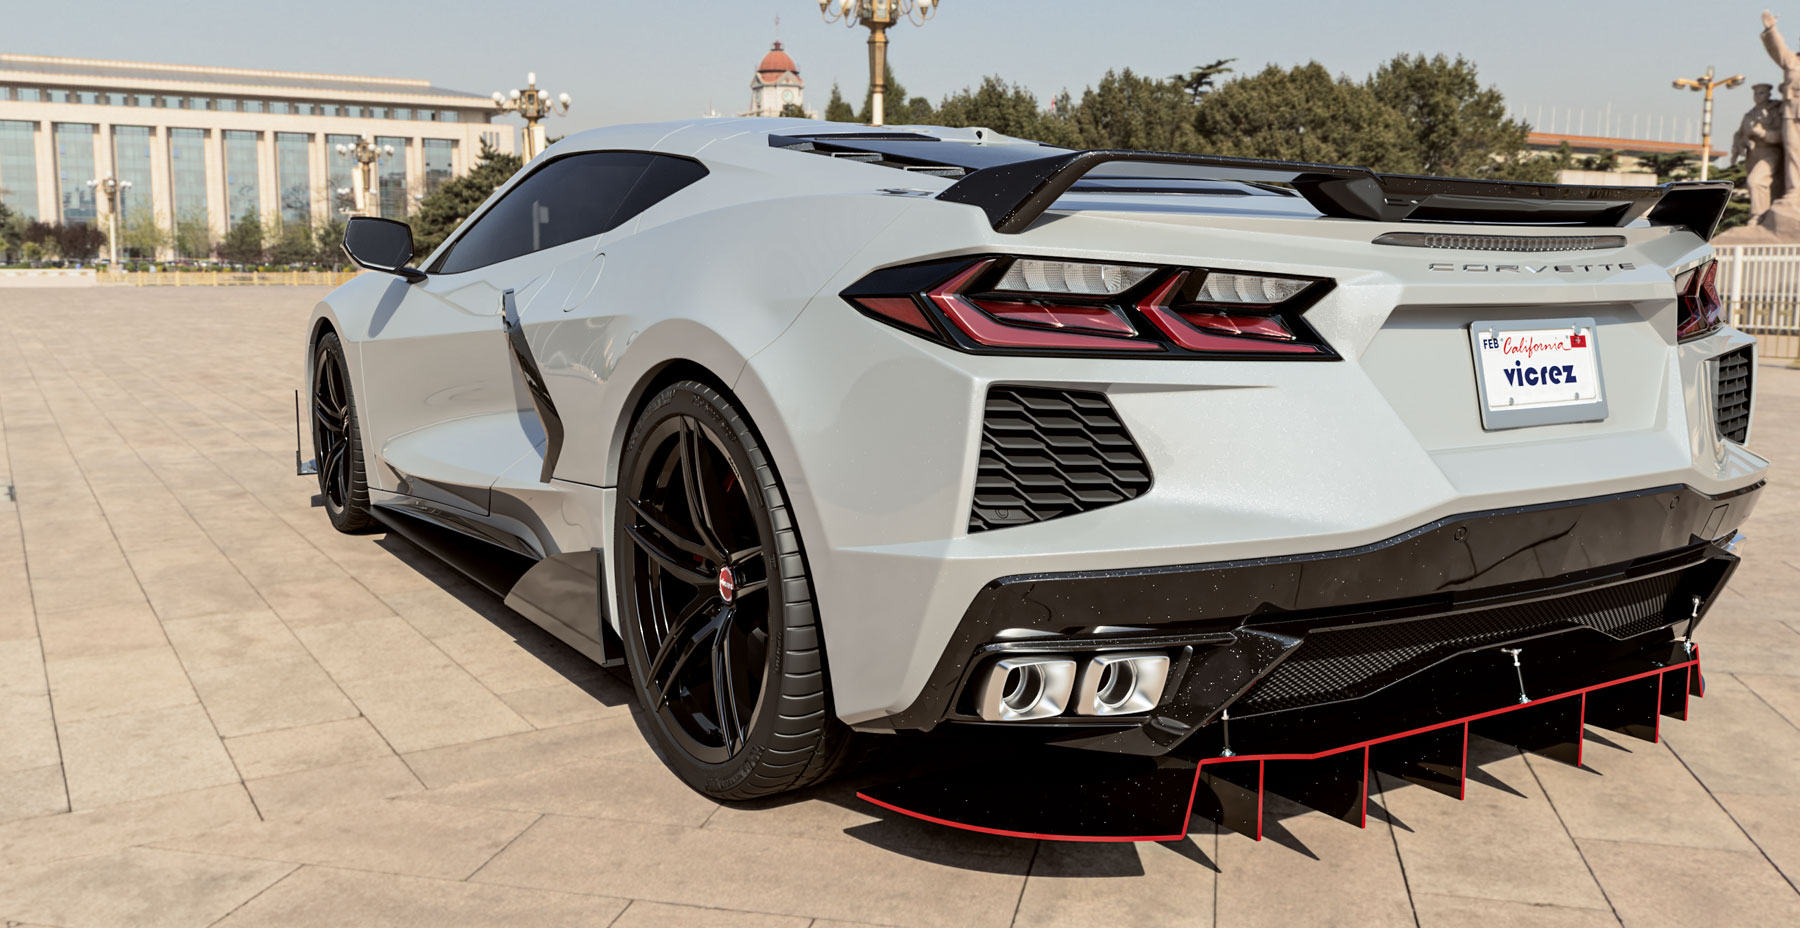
[(1047, 453), (1731, 394)]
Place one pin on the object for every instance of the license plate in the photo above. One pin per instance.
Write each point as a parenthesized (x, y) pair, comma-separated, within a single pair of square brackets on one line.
[(1537, 372)]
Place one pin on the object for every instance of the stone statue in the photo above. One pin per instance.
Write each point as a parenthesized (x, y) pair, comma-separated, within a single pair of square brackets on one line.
[(1758, 145), (1790, 91)]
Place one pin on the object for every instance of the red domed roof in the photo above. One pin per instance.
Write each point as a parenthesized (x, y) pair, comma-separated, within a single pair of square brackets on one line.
[(776, 62)]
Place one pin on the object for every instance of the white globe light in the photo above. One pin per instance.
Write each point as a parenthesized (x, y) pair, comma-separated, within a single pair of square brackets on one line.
[(924, 6), (564, 99), (844, 6), (499, 97)]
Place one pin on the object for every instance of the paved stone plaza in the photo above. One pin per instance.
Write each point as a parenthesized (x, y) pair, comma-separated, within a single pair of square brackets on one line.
[(216, 710)]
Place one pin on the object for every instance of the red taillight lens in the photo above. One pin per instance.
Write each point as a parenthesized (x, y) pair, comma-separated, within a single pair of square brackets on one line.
[(1697, 292), (1004, 305)]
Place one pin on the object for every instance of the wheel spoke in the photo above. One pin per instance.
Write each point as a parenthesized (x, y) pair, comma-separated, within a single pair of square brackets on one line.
[(682, 647), (739, 557), (683, 572), (745, 589), (330, 419), (692, 454), (659, 523), (724, 693), (330, 466)]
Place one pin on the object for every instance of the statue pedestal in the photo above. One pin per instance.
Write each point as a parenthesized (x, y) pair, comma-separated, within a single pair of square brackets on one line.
[(1779, 226)]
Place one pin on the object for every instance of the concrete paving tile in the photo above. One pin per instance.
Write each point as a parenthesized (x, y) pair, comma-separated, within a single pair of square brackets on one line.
[(529, 751), (1437, 911), (32, 791), (1752, 647), (274, 560), (237, 638), (27, 732), (289, 794), (17, 618), (1652, 885), (1322, 864), (100, 831), (642, 914), (100, 631), (432, 708), (1734, 742), (75, 592), (720, 869), (21, 668), (389, 836), (217, 590), (506, 662), (1635, 792), (1773, 822), (113, 684), (603, 789), (1502, 842), (566, 703), (436, 612), (118, 758), (306, 747), (377, 647), (248, 698), (324, 897), (1077, 884), (135, 888), (322, 601), (1780, 691)]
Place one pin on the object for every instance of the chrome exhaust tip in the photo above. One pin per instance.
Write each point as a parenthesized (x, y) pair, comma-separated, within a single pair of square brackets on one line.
[(1127, 683), (1027, 687)]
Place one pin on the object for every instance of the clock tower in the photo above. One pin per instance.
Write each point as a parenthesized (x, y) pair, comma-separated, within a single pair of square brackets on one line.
[(776, 84)]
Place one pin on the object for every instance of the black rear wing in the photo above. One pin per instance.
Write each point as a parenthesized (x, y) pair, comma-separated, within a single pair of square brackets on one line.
[(1014, 195)]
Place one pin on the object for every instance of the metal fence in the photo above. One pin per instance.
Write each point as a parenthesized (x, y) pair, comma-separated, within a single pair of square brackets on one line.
[(225, 278), (1761, 288)]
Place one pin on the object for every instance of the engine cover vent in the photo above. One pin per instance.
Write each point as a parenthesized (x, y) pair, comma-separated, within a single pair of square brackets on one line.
[(1731, 394), (1047, 453)]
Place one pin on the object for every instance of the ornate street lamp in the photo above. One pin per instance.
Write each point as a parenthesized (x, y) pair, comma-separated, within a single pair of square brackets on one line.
[(876, 16), (534, 105), (363, 187), (1706, 82), (109, 187)]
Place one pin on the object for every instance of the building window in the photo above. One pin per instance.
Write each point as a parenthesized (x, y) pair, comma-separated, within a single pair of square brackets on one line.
[(187, 183), (131, 158), (440, 156), (402, 113), (293, 178), (343, 170), (393, 179), (243, 191), (30, 95), (18, 167), (199, 103), (278, 107), (227, 106), (74, 168), (56, 96), (447, 116), (148, 100), (379, 112)]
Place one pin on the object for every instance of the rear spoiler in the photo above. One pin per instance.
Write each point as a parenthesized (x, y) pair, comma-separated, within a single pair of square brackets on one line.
[(1015, 195)]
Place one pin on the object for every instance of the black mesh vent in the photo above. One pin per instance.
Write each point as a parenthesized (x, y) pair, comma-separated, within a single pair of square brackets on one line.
[(1048, 453), (1350, 662), (1731, 395)]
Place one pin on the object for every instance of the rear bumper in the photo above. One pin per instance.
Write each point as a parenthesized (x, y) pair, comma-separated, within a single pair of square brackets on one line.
[(1272, 636)]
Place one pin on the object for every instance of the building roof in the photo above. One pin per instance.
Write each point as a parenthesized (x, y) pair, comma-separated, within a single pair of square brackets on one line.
[(1594, 143), (129, 75), (775, 64)]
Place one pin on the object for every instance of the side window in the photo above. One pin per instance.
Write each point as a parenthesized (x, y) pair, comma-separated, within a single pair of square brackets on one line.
[(661, 179), (569, 198)]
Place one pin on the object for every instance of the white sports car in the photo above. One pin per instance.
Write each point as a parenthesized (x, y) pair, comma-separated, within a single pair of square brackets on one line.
[(1162, 480)]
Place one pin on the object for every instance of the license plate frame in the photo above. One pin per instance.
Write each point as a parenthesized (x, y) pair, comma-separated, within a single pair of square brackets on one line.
[(1486, 338)]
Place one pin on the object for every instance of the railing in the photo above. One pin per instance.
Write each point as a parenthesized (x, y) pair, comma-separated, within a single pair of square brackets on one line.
[(1760, 285), (226, 278)]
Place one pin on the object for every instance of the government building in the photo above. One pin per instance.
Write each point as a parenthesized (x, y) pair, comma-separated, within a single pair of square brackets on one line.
[(216, 144)]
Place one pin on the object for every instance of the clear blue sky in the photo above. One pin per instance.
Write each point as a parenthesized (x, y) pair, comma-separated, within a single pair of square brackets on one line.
[(637, 60)]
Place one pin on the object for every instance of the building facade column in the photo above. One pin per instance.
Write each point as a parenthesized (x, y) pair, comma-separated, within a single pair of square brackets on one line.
[(162, 192), (105, 162), (49, 207), (215, 184), (318, 177), (268, 187), (415, 173)]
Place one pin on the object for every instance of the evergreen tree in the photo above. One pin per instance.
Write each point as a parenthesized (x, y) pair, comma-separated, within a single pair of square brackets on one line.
[(1458, 128), (793, 111), (896, 109), (291, 243), (193, 235), (141, 236), (1005, 108), (243, 242), (453, 201), (1303, 114), (1128, 110), (1203, 78), (328, 245), (837, 110)]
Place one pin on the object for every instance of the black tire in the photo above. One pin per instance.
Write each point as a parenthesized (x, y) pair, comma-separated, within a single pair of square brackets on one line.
[(675, 537), (337, 440)]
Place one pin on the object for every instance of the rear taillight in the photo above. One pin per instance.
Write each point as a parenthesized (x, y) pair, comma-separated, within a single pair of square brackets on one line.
[(1034, 306), (1702, 312)]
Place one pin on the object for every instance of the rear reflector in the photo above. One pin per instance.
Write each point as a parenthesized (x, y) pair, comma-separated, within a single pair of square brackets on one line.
[(1071, 277), (901, 309)]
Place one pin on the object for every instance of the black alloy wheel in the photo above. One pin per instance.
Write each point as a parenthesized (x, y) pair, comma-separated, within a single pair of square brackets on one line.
[(717, 614), (337, 444)]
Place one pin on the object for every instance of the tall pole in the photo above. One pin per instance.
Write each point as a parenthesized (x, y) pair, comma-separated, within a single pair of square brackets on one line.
[(532, 104), (108, 188), (1706, 84), (877, 16), (877, 72)]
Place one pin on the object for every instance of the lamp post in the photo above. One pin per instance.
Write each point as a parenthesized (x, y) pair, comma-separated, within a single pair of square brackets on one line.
[(1706, 82), (109, 187), (876, 16), (363, 185), (534, 105)]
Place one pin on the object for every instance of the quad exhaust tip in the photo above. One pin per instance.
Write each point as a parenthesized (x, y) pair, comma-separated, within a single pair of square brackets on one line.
[(1042, 686)]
